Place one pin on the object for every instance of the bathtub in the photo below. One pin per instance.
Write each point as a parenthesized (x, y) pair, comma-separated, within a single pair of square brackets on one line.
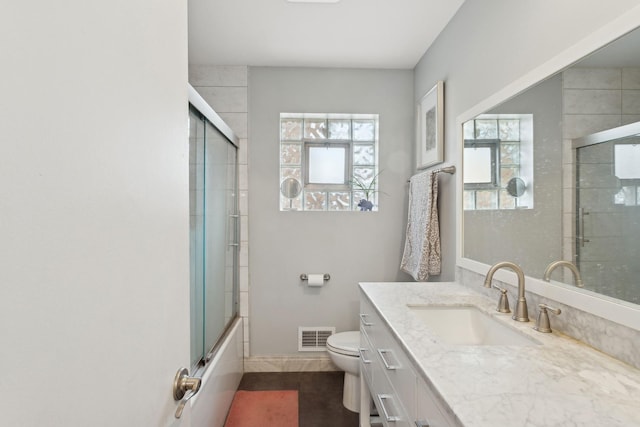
[(220, 380)]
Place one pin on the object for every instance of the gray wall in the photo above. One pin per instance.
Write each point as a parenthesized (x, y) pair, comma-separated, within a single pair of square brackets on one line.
[(351, 246), (486, 46)]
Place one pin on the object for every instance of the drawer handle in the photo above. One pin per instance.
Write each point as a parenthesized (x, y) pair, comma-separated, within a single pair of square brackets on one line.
[(382, 352), (381, 399), (362, 358), (364, 322)]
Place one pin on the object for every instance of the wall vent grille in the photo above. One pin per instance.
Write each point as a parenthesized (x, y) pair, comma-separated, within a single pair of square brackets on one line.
[(314, 338)]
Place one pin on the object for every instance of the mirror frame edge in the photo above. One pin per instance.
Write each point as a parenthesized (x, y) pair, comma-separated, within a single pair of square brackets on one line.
[(585, 300)]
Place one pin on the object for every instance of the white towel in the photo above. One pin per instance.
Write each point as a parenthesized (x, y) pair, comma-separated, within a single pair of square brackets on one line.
[(421, 256)]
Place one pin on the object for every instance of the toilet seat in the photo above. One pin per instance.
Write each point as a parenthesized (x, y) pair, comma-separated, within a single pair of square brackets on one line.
[(345, 343)]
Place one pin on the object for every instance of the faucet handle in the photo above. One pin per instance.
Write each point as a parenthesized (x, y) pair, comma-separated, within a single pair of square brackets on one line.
[(543, 324), (503, 303)]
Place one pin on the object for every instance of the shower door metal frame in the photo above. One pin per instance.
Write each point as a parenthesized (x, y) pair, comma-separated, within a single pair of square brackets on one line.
[(609, 135), (205, 109), (201, 106)]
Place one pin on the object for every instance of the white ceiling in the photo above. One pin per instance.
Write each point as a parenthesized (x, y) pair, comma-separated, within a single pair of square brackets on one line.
[(350, 33)]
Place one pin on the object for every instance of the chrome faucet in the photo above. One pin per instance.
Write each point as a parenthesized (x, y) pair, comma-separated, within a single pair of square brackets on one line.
[(576, 274), (522, 313)]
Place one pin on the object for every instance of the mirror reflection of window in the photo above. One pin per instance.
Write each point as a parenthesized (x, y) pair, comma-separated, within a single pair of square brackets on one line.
[(627, 159), (627, 196), (497, 149), (479, 165)]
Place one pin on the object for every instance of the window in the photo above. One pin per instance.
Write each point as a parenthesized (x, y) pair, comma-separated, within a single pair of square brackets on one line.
[(626, 158), (480, 159), (328, 162), (327, 165), (497, 149)]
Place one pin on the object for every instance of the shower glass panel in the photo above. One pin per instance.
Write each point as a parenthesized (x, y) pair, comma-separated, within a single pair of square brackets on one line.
[(608, 216), (196, 239), (214, 236)]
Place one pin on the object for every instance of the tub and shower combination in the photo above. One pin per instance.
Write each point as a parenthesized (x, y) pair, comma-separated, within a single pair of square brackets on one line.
[(216, 328)]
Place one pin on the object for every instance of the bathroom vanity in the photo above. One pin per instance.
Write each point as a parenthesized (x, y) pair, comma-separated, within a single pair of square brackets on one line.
[(420, 369), (400, 393)]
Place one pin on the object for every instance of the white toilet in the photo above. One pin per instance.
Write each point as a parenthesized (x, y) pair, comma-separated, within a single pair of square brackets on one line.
[(343, 351)]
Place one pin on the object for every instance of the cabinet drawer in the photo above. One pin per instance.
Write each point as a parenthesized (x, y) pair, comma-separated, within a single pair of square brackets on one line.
[(402, 398), (388, 375), (429, 409), (372, 324), (367, 357), (388, 403), (368, 316), (398, 369)]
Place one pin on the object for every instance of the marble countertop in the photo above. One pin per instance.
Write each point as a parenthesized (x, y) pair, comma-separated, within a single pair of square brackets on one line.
[(560, 382)]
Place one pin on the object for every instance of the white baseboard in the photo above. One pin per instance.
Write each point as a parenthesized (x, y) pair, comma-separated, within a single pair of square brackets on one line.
[(289, 364)]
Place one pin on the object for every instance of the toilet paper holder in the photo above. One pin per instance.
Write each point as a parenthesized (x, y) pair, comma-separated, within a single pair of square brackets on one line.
[(304, 276)]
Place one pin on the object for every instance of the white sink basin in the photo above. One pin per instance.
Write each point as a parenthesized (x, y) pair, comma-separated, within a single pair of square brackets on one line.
[(467, 325)]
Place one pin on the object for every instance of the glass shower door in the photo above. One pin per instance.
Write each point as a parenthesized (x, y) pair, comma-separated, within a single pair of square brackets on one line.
[(608, 216), (220, 235), (214, 236)]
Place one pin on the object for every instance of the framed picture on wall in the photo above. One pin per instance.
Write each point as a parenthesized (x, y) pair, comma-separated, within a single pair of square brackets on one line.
[(430, 132)]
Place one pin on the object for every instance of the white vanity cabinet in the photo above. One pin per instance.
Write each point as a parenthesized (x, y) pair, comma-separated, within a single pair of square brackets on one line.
[(429, 411), (429, 381), (402, 398)]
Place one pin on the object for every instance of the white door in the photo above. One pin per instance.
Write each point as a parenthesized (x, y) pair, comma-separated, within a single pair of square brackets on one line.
[(94, 212)]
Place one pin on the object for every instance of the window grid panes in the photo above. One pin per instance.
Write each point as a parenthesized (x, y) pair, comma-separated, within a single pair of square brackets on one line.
[(506, 134), (301, 138)]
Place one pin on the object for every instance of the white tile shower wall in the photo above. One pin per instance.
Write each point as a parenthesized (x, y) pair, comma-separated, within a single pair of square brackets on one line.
[(225, 88), (609, 337), (594, 99)]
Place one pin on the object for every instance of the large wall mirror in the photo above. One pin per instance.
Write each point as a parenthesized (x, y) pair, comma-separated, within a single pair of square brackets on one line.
[(553, 173)]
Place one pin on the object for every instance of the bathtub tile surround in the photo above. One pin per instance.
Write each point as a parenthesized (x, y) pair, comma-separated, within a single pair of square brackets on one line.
[(559, 382), (225, 88), (611, 338)]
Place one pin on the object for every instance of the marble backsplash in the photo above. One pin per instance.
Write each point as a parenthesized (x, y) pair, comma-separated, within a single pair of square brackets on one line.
[(609, 337)]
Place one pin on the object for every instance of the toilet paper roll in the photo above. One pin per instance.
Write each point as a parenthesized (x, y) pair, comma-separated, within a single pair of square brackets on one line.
[(315, 279)]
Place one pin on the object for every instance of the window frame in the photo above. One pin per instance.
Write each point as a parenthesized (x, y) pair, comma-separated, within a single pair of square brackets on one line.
[(494, 145), (361, 144), (514, 158), (348, 164)]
